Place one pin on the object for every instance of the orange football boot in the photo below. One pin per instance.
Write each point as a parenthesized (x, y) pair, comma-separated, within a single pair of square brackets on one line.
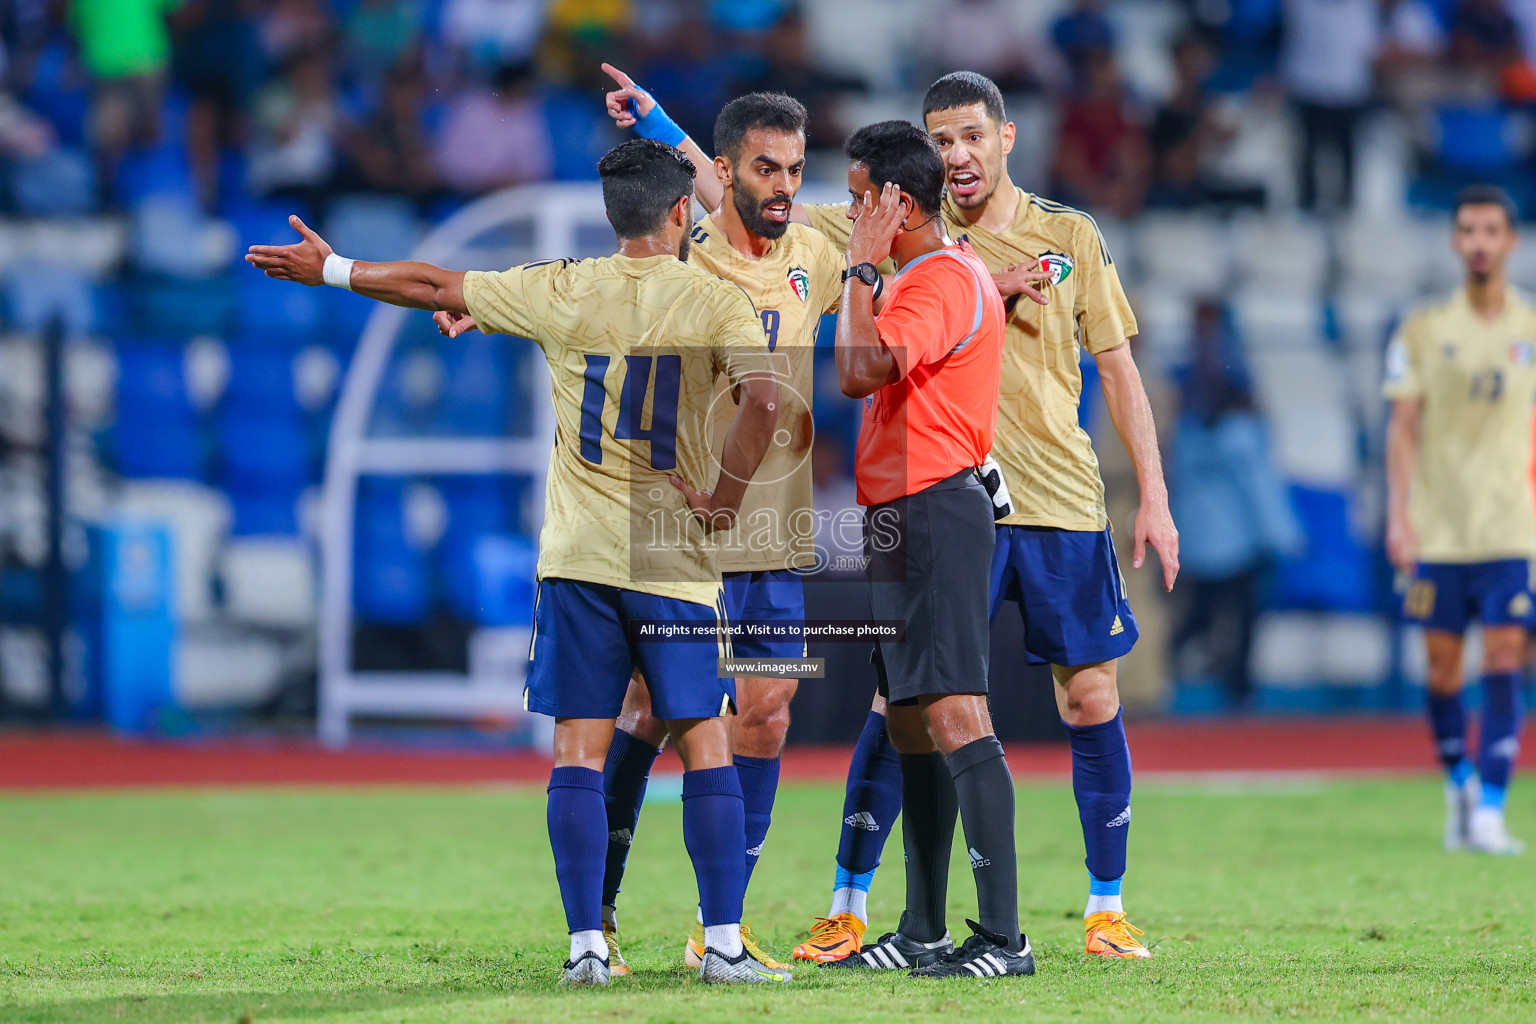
[(832, 938), (1111, 935)]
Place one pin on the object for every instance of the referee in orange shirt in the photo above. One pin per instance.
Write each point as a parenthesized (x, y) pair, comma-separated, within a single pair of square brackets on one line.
[(927, 369)]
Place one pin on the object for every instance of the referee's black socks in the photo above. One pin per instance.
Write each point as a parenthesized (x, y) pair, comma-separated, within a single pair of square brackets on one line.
[(984, 789), (928, 809)]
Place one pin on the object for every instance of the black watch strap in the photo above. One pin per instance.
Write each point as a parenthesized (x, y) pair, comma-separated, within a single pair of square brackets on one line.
[(865, 272)]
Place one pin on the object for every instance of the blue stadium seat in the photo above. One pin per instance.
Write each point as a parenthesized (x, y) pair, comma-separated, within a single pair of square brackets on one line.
[(156, 433), (477, 388), (162, 171), (264, 452), (150, 381), (1474, 137), (171, 304), (60, 183), (491, 579), (260, 379), (372, 227), (170, 448), (390, 579), (480, 504), (279, 311), (262, 513), (1334, 572), (57, 91), (38, 295)]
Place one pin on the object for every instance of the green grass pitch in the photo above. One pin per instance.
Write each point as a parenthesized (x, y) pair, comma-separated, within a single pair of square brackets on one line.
[(1294, 900)]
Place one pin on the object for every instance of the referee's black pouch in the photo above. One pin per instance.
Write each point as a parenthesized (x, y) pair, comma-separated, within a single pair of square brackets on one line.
[(991, 476)]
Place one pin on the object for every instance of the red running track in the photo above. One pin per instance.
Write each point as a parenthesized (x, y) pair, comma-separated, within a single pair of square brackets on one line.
[(38, 760)]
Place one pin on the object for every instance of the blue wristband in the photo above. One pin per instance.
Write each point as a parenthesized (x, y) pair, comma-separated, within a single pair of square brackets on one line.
[(657, 125)]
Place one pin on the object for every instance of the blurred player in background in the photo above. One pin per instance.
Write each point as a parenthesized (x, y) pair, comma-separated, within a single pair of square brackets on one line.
[(623, 334), (1054, 553), (1461, 375), (793, 275)]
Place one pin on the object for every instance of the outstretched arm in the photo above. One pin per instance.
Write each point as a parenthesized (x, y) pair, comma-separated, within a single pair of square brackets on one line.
[(403, 283), (1126, 397)]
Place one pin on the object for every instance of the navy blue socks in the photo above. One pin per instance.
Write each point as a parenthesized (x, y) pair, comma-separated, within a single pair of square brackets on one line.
[(713, 831), (625, 775), (578, 837), (1101, 781), (759, 778)]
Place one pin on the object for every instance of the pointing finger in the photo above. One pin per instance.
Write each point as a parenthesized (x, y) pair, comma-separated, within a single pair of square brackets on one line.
[(618, 76)]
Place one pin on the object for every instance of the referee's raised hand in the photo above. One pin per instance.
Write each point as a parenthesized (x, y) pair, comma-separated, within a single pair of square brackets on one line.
[(875, 224)]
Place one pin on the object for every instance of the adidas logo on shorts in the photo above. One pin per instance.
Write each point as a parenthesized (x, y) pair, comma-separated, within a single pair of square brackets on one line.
[(863, 820), (1120, 820), (1117, 628)]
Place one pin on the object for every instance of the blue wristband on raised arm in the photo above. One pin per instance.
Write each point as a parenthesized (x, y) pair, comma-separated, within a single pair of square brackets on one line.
[(657, 125)]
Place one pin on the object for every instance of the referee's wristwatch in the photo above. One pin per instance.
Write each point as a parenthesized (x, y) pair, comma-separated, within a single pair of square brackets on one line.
[(865, 272)]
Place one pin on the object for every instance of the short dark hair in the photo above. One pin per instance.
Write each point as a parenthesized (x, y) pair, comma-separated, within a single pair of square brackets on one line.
[(1487, 195), (642, 178), (963, 88), (771, 110), (902, 153)]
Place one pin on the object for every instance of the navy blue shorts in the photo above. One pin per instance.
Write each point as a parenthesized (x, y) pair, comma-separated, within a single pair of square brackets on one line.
[(1448, 596), (1070, 593), (583, 657), (773, 596)]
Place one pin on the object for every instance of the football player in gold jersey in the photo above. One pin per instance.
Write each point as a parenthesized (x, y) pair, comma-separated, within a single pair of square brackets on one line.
[(793, 275), (1047, 489), (1461, 375), (634, 343)]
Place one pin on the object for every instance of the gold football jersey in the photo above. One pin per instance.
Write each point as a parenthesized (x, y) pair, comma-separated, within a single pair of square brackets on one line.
[(1470, 499), (634, 347), (798, 280), (1046, 457)]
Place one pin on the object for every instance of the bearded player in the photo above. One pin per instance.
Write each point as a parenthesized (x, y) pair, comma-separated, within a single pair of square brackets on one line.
[(1055, 554), (1461, 376), (793, 275)]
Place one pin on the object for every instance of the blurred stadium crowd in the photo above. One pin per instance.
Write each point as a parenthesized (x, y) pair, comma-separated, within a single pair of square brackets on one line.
[(1271, 176)]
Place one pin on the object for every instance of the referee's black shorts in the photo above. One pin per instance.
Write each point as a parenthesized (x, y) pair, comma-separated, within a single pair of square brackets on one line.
[(930, 559)]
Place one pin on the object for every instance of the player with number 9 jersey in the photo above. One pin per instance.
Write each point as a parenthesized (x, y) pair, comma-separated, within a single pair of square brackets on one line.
[(797, 281)]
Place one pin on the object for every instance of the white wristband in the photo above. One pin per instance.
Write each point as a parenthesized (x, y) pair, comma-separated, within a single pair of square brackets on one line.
[(337, 271)]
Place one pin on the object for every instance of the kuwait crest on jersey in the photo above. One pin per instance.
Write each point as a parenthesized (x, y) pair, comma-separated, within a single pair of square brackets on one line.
[(1523, 352), (800, 281), (1058, 265)]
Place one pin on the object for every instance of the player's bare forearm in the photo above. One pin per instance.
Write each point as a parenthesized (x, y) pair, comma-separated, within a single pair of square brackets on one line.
[(864, 364), (406, 283), (1402, 453), (706, 183), (1126, 398), (411, 284), (747, 441), (1129, 408)]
